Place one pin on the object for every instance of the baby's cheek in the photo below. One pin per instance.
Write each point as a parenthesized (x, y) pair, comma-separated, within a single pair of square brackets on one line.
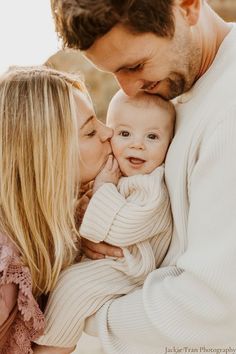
[(116, 147)]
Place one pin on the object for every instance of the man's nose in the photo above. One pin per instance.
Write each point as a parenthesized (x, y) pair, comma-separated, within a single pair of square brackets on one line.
[(131, 86)]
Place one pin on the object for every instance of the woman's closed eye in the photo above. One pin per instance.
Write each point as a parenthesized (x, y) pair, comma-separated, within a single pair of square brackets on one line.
[(91, 133), (124, 133)]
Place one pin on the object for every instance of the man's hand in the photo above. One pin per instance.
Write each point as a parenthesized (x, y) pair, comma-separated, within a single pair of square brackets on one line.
[(100, 250), (109, 174)]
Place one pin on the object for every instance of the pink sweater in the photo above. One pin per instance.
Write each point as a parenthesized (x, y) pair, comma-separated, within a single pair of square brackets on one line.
[(21, 319)]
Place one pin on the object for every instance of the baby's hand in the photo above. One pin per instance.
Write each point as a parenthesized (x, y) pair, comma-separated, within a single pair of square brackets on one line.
[(109, 174)]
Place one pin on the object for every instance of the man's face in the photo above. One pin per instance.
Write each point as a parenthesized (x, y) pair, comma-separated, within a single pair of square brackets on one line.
[(146, 62)]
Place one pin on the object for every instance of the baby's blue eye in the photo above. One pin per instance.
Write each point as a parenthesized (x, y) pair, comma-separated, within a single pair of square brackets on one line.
[(124, 133), (152, 136)]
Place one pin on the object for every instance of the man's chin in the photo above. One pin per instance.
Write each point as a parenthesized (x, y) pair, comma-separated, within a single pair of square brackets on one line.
[(172, 88), (167, 96)]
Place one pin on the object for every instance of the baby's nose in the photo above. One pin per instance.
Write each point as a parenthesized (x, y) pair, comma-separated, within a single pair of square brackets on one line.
[(137, 144)]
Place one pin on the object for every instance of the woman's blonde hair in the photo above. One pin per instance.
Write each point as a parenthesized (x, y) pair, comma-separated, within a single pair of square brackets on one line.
[(39, 168)]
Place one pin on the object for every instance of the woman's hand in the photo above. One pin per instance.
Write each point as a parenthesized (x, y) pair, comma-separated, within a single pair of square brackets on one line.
[(109, 174), (100, 250)]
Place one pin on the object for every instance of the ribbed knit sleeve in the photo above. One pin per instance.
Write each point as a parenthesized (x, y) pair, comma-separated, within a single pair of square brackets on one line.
[(113, 214), (137, 210), (191, 304)]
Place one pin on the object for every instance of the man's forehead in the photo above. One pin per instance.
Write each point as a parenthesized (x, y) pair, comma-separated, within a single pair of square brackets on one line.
[(111, 65), (117, 49)]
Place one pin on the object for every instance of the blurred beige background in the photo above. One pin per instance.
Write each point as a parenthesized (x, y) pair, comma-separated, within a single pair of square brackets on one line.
[(102, 86)]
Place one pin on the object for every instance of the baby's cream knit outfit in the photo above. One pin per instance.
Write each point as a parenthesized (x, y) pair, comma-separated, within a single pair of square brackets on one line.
[(136, 216)]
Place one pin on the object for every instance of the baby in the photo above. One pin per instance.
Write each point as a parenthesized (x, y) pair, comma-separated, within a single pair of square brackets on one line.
[(132, 212)]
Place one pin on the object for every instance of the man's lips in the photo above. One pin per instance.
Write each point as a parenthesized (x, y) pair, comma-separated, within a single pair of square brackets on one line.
[(152, 86)]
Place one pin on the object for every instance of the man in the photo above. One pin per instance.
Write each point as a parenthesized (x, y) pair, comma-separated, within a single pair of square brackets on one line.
[(174, 48)]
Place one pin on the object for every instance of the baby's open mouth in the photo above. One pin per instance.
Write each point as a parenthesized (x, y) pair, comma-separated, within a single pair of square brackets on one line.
[(136, 160)]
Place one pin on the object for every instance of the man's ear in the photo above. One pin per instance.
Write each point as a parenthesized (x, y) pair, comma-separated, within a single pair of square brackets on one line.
[(190, 10)]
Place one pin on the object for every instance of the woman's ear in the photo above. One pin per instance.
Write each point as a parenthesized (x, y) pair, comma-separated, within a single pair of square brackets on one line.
[(190, 10)]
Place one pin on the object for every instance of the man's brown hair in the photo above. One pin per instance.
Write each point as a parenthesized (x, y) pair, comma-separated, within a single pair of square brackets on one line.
[(81, 22)]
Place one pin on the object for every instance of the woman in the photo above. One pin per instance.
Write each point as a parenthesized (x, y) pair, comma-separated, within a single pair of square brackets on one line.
[(51, 144)]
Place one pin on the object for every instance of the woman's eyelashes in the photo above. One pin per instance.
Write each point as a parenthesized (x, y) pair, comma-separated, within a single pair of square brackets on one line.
[(91, 133)]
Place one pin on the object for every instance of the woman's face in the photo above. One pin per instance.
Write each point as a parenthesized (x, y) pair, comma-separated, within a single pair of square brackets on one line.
[(94, 139)]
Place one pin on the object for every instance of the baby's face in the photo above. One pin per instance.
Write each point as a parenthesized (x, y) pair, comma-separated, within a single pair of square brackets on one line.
[(141, 137)]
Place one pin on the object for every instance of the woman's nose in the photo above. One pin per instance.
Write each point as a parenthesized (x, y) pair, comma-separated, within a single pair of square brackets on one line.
[(106, 133)]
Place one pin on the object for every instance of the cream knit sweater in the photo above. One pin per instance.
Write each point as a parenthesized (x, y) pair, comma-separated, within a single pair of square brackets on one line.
[(134, 215), (190, 302)]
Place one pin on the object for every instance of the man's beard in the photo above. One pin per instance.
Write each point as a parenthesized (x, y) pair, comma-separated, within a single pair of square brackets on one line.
[(175, 87), (178, 83)]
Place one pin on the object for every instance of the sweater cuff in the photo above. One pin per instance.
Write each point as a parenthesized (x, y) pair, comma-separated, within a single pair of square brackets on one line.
[(100, 213)]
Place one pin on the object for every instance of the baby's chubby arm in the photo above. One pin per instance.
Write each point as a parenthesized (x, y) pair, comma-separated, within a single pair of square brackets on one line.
[(135, 212), (109, 174)]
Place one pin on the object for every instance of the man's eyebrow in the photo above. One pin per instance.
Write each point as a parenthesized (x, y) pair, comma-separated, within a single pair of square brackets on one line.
[(87, 121)]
